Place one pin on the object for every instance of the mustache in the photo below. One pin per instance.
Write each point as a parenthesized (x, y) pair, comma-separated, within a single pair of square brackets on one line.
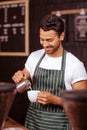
[(49, 46)]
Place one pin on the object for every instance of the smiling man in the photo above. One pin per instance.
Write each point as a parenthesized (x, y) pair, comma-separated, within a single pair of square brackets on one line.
[(52, 70)]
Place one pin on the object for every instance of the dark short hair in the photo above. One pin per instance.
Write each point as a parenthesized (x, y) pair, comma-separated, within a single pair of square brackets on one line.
[(52, 22)]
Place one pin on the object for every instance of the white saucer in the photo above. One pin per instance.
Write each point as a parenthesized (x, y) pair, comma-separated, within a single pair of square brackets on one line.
[(13, 128)]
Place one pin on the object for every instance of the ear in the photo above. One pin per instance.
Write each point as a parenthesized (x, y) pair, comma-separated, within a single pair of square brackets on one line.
[(62, 36)]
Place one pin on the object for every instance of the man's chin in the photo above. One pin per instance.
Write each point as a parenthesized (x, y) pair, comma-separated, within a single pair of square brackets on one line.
[(48, 51)]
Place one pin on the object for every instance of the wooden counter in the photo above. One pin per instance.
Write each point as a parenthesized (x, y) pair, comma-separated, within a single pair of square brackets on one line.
[(10, 123)]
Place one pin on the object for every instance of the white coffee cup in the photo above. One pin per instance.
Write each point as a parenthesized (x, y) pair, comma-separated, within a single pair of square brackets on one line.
[(32, 95)]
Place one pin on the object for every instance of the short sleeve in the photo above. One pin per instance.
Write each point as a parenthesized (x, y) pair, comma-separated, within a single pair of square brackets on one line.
[(79, 73)]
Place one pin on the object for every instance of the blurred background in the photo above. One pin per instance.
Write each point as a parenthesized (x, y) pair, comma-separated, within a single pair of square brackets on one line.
[(19, 36)]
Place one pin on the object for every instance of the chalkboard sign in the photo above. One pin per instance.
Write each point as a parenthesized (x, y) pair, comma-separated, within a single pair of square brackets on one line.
[(14, 29)]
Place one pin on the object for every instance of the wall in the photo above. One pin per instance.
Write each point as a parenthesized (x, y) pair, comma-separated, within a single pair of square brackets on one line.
[(9, 65)]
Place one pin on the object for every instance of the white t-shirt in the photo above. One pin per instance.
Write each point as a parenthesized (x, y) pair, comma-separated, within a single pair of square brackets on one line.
[(74, 70)]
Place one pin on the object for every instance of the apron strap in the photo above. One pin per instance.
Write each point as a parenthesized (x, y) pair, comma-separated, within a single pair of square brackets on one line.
[(63, 60), (63, 68), (39, 61)]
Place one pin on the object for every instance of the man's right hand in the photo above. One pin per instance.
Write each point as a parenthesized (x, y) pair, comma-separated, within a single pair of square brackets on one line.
[(18, 76), (21, 75)]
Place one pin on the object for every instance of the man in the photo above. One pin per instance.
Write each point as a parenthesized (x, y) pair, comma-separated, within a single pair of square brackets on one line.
[(52, 70)]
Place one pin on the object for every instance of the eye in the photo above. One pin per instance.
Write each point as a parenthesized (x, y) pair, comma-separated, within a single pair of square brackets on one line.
[(49, 40), (41, 39)]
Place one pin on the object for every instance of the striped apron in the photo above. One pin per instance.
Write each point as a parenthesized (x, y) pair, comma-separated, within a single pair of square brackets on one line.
[(47, 117)]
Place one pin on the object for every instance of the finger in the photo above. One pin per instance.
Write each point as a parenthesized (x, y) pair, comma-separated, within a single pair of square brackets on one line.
[(19, 74), (17, 77), (25, 76), (42, 102)]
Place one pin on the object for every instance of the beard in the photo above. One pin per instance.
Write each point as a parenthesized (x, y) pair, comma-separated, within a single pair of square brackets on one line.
[(50, 50)]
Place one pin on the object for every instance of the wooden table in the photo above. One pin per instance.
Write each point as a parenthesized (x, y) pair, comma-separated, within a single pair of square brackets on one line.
[(10, 123)]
